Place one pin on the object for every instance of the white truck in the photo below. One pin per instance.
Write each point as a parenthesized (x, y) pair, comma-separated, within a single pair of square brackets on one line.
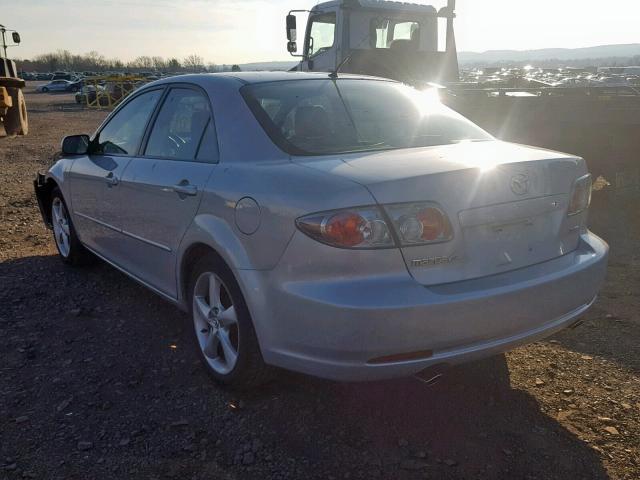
[(413, 43)]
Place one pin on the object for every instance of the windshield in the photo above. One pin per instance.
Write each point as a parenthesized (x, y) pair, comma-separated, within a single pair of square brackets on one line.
[(323, 117)]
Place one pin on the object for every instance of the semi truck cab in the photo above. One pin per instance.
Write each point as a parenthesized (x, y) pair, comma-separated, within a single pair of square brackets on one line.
[(410, 42)]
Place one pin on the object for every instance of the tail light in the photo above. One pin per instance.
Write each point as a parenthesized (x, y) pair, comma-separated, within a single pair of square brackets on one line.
[(420, 223), (359, 228), (368, 228), (580, 196)]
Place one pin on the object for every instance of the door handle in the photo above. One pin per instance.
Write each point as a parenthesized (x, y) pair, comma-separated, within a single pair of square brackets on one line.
[(184, 188), (111, 180)]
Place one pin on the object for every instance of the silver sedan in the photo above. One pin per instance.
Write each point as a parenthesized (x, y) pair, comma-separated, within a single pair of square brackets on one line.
[(350, 228), (55, 86)]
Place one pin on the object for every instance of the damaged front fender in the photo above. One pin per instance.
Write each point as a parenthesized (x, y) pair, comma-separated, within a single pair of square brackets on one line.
[(43, 190)]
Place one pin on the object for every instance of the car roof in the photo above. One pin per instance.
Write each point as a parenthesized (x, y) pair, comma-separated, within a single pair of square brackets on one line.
[(246, 78), (260, 77)]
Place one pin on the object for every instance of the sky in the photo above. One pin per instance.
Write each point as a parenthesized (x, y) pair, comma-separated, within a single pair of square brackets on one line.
[(241, 31)]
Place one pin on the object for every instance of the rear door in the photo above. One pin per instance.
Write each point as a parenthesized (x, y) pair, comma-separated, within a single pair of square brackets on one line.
[(94, 178), (162, 188)]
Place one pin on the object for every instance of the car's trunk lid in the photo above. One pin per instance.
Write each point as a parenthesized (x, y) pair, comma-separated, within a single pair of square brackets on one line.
[(507, 204)]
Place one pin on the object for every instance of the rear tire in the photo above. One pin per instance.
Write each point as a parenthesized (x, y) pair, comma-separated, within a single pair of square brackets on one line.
[(223, 332), (71, 251), (16, 121)]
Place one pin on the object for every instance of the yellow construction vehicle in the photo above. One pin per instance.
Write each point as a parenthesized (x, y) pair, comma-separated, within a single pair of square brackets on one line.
[(13, 108)]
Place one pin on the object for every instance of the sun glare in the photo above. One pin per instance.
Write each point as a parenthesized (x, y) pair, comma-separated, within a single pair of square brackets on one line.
[(484, 161)]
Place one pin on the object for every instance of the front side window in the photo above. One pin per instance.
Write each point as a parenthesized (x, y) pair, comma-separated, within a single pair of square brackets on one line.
[(321, 34), (124, 131), (177, 131), (322, 117)]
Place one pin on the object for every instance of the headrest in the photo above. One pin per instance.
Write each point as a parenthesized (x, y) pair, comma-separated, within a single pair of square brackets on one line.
[(311, 121), (198, 121)]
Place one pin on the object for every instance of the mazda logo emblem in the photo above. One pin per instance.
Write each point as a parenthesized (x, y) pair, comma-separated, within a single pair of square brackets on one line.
[(520, 184)]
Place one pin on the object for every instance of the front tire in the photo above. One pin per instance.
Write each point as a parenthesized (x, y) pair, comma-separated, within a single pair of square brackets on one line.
[(69, 247), (223, 331)]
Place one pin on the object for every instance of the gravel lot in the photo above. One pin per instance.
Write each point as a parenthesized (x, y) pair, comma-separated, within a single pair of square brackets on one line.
[(98, 380)]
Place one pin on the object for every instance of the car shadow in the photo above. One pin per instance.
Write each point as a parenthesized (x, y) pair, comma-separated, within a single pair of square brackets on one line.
[(471, 424), (115, 363), (611, 329)]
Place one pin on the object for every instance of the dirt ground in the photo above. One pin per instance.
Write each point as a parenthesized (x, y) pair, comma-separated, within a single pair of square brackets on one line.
[(98, 381)]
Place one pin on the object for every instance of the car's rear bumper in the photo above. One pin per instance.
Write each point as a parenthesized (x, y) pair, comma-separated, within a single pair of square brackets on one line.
[(346, 329)]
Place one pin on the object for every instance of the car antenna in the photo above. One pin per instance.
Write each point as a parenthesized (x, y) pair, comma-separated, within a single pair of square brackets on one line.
[(334, 73)]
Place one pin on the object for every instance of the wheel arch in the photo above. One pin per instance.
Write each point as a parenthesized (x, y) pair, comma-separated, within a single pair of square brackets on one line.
[(188, 261), (44, 187), (44, 184), (209, 234)]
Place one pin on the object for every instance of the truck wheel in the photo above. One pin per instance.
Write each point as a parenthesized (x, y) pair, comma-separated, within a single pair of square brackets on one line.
[(16, 121)]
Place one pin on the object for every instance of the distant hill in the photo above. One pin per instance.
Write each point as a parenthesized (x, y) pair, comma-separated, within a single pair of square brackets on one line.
[(565, 54)]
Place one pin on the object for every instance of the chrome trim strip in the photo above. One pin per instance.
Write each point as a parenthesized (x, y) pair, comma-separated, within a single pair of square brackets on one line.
[(164, 295), (124, 232)]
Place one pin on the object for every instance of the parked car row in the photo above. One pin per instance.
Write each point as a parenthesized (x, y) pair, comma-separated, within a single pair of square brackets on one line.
[(71, 76), (74, 76), (510, 77)]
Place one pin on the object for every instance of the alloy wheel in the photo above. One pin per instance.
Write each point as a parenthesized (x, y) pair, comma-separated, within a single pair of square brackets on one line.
[(216, 323), (61, 230)]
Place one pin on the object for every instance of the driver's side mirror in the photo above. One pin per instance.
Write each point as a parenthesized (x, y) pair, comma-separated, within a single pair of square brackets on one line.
[(292, 31), (75, 145), (292, 47), (16, 37)]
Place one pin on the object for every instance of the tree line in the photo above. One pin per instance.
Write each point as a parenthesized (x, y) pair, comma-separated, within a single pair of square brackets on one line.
[(64, 60)]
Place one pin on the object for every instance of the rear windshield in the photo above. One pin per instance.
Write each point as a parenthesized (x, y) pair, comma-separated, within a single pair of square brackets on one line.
[(324, 117)]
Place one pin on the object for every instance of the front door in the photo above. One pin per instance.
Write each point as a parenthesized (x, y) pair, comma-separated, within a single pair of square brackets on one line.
[(95, 178), (321, 49), (162, 188)]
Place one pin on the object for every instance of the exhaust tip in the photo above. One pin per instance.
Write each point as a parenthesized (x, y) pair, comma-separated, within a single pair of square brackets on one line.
[(432, 375)]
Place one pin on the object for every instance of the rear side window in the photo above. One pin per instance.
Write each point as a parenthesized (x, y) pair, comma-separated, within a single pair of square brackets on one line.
[(208, 150), (386, 31), (179, 127), (123, 133)]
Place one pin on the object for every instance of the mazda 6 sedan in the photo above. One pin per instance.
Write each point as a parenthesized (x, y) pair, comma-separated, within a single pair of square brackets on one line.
[(350, 228)]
